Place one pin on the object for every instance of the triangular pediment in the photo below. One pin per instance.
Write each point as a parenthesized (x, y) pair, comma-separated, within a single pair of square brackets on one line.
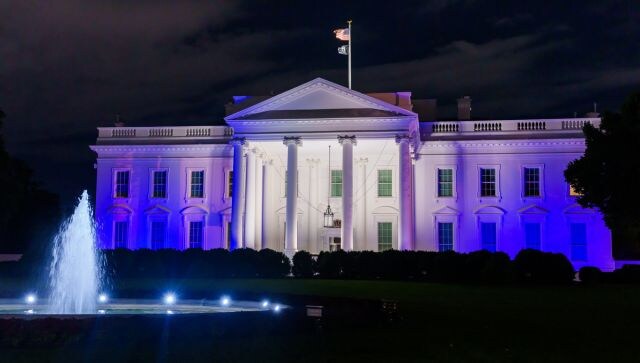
[(446, 210), (577, 209), (319, 99), (489, 209), (533, 209), (157, 209)]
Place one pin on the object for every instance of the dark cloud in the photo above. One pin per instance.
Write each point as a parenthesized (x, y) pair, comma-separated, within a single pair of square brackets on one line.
[(71, 65)]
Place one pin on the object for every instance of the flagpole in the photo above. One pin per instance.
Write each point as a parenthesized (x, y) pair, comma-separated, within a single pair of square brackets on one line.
[(349, 53)]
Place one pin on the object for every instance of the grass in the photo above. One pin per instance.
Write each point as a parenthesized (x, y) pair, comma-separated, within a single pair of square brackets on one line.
[(438, 323)]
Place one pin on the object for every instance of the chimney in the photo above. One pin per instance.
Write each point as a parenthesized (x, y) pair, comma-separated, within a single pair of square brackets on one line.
[(594, 113), (464, 108)]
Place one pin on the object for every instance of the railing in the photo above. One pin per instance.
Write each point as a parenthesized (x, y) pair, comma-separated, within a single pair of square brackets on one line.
[(166, 132), (497, 127)]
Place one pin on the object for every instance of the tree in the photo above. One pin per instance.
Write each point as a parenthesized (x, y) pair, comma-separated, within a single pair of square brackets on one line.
[(608, 173), (28, 213)]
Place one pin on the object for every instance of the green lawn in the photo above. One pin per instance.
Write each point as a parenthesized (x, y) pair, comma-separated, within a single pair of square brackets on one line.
[(438, 323)]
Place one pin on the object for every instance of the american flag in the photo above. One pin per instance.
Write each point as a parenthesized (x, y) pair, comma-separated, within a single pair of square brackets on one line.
[(342, 34)]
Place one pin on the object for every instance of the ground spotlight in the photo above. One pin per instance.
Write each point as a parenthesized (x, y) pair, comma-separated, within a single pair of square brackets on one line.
[(225, 301), (169, 298), (103, 298), (169, 312), (101, 311), (276, 308), (265, 303), (30, 299)]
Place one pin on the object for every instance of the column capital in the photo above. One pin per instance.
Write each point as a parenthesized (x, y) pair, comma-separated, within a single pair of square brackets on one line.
[(313, 161), (292, 140), (238, 141), (402, 138), (361, 161), (342, 139)]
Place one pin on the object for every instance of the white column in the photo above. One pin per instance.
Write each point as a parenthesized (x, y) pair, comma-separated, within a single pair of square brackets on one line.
[(268, 220), (250, 202), (259, 196), (313, 216), (347, 143), (237, 193), (291, 232), (360, 243), (405, 232)]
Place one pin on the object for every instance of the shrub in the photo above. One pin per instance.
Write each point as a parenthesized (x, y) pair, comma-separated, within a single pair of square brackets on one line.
[(329, 264), (543, 267), (590, 275), (303, 265), (273, 264)]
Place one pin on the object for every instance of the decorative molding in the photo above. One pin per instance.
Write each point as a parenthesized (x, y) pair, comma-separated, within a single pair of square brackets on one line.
[(292, 140), (311, 86), (346, 139)]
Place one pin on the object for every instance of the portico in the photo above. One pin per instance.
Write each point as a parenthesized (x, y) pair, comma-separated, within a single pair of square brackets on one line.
[(293, 131)]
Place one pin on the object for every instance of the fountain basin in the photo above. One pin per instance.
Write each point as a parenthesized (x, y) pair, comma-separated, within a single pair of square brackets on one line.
[(13, 308)]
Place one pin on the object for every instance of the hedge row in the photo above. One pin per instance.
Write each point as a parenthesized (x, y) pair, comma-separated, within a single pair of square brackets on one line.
[(475, 267), (196, 263)]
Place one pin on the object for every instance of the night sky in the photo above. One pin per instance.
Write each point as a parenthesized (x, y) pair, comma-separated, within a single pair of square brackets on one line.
[(69, 66)]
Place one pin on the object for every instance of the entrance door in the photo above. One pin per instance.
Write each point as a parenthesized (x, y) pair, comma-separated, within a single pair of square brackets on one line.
[(335, 244)]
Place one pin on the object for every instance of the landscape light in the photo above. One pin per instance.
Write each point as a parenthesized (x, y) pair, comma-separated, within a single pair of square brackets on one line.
[(103, 298), (30, 311), (169, 312), (276, 308), (101, 311), (30, 299), (169, 298), (265, 303), (225, 301)]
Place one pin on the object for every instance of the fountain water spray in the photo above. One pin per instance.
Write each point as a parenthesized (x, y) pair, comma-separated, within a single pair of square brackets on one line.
[(75, 275)]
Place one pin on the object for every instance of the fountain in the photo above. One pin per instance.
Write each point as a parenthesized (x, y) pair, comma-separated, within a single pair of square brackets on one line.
[(76, 278), (75, 275)]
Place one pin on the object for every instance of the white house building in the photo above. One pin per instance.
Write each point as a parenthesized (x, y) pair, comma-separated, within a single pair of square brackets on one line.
[(390, 178)]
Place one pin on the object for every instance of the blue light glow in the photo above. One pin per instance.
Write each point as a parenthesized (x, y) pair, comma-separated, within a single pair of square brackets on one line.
[(169, 298), (30, 299), (225, 301)]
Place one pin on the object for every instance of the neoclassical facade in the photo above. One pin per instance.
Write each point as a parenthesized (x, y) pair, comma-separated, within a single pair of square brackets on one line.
[(390, 180)]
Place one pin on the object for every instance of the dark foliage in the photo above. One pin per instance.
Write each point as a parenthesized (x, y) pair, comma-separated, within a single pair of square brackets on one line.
[(607, 169), (590, 275), (478, 267), (303, 265), (196, 263), (533, 266), (29, 215)]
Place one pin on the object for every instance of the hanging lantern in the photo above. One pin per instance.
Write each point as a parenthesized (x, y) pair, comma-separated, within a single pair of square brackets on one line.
[(328, 217)]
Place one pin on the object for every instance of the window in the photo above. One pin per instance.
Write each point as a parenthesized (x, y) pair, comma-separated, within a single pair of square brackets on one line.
[(445, 236), (573, 192), (385, 187), (578, 241), (384, 236), (445, 182), (532, 235), (121, 234), (122, 184), (230, 184), (487, 182), (531, 182), (158, 234), (488, 236), (197, 184), (195, 234), (159, 184), (336, 183)]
